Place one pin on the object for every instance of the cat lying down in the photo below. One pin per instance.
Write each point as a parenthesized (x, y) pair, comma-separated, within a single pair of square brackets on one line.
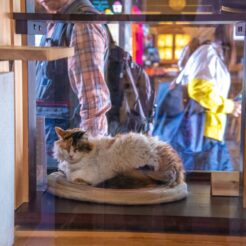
[(93, 160)]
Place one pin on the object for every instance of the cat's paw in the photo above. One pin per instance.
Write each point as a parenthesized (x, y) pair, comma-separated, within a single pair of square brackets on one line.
[(79, 181), (62, 172)]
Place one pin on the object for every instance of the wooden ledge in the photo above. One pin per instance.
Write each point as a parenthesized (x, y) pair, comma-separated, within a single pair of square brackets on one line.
[(198, 213), (26, 53), (194, 17), (109, 238)]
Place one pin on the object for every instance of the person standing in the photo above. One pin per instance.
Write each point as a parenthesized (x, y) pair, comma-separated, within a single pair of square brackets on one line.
[(208, 81), (73, 92)]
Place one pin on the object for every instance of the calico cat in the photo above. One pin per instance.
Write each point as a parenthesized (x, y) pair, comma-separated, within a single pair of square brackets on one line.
[(93, 160)]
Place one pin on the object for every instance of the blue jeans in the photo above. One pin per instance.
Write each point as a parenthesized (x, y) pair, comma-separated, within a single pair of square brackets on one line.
[(51, 137), (214, 156), (57, 117)]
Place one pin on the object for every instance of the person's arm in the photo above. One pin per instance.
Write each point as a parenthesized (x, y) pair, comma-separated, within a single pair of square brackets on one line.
[(204, 92), (86, 73), (202, 84)]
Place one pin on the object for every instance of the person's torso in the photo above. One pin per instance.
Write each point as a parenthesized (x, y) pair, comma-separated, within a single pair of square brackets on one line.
[(207, 65), (54, 93)]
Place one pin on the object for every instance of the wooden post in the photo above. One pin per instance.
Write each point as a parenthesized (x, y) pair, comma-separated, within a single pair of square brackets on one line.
[(225, 183), (243, 128), (7, 158), (244, 172), (125, 29)]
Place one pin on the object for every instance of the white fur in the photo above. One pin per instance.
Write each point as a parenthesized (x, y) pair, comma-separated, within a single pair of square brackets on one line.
[(110, 157)]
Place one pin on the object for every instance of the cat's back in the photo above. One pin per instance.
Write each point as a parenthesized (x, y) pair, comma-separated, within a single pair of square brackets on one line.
[(131, 137), (132, 141)]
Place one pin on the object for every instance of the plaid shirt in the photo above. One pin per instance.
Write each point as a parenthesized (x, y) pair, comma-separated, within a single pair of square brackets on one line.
[(86, 74)]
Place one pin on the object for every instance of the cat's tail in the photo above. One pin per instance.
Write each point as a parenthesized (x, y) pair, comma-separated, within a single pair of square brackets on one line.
[(170, 170)]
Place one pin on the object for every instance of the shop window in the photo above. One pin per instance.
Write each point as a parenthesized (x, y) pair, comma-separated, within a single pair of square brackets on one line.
[(171, 45)]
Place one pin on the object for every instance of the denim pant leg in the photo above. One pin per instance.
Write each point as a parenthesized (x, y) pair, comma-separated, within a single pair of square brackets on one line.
[(214, 157), (51, 137)]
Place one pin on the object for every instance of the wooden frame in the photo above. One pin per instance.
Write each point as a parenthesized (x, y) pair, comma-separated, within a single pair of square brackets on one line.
[(22, 18), (60, 218), (26, 53), (21, 98), (243, 130), (225, 183), (110, 238), (199, 213)]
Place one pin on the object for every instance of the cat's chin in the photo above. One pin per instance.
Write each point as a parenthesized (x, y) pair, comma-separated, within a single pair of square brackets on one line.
[(72, 162)]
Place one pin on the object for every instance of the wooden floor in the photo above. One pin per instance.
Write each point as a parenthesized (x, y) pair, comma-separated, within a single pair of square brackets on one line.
[(61, 238)]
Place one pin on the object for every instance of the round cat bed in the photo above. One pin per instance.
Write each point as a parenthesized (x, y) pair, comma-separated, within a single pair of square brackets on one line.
[(59, 186)]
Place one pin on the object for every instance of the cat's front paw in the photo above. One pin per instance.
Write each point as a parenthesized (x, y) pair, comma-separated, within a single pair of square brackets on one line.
[(79, 181)]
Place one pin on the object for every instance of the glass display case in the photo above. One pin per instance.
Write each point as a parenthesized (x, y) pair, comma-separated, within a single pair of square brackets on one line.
[(216, 196)]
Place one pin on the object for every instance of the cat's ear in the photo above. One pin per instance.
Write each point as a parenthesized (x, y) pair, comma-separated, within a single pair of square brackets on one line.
[(60, 132), (85, 135)]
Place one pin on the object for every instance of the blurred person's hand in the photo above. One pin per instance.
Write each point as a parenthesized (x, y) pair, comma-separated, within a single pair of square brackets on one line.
[(237, 109)]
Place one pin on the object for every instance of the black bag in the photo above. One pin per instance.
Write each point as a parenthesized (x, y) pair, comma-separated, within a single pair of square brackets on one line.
[(131, 92)]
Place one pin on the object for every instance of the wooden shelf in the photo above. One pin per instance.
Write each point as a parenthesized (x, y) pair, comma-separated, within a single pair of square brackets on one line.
[(25, 21), (204, 18), (26, 53), (198, 213)]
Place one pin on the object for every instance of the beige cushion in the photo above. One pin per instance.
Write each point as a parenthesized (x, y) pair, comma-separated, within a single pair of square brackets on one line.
[(59, 186)]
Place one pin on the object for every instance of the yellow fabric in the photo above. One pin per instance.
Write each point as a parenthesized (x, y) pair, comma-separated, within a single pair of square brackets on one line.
[(216, 106)]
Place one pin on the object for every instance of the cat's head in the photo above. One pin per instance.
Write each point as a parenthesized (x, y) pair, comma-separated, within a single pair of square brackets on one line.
[(72, 145)]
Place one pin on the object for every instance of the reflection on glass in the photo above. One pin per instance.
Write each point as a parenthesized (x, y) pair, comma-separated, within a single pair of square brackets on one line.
[(182, 40), (166, 53), (169, 47), (198, 129), (180, 6), (178, 52), (158, 49), (165, 40), (177, 5)]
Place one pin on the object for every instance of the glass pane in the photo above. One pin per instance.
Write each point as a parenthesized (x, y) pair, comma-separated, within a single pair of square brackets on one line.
[(164, 6), (159, 49), (159, 52), (136, 88)]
